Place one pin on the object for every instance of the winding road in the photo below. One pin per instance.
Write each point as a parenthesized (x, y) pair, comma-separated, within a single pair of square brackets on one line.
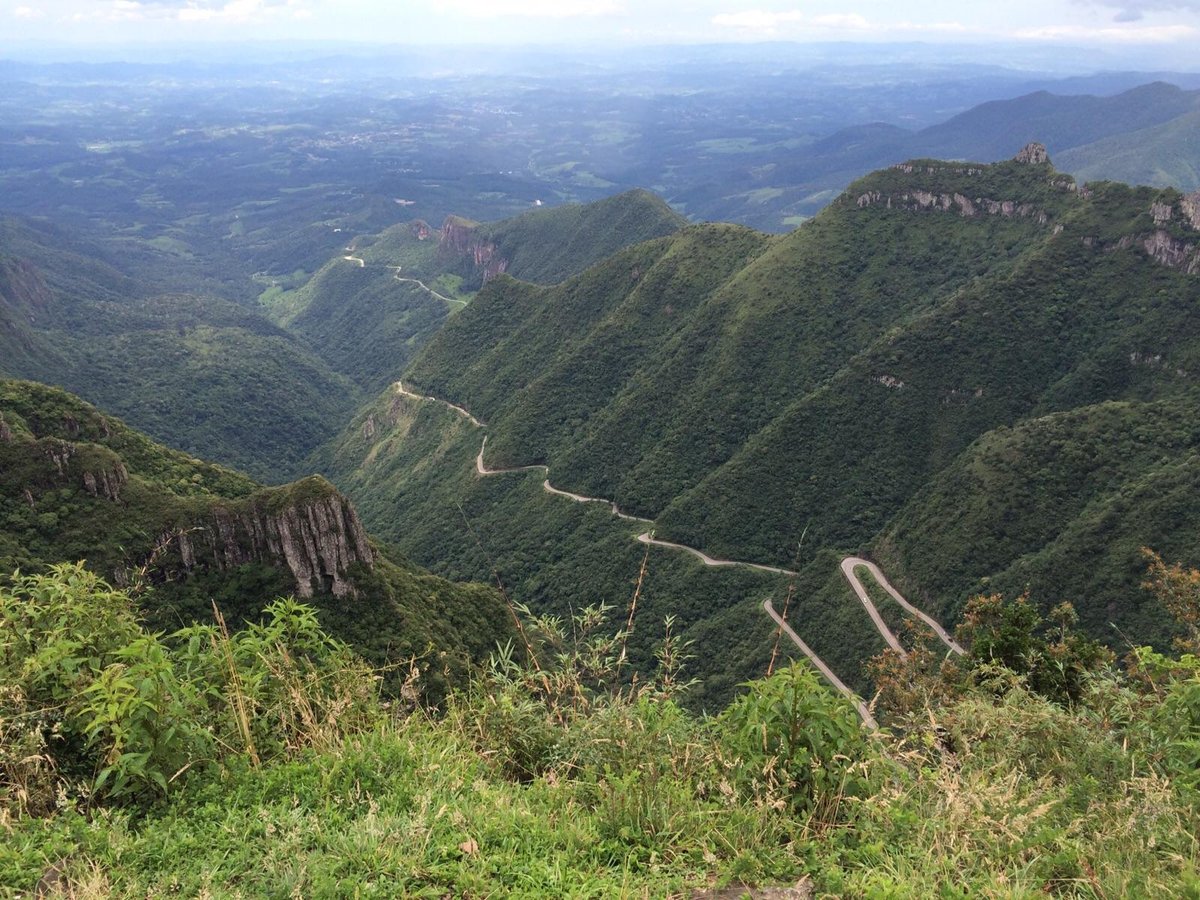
[(864, 711), (848, 566), (362, 264), (419, 283), (648, 538), (850, 563)]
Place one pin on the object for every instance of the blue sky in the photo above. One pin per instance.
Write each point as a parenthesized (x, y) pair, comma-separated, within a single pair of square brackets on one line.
[(1173, 24)]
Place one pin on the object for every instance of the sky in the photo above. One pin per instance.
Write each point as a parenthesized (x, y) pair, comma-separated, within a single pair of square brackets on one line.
[(1171, 24)]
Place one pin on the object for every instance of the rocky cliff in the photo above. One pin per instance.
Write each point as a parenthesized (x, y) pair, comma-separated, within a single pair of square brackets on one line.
[(160, 512), (317, 537), (460, 239), (927, 187), (963, 190)]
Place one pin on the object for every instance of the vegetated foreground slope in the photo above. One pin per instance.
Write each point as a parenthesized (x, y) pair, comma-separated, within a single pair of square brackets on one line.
[(78, 485), (199, 763), (204, 375), (754, 395), (373, 306)]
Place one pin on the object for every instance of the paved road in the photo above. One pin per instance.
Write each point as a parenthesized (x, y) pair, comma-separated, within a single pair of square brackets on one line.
[(419, 283), (458, 409), (863, 711), (482, 469), (850, 563), (648, 538), (357, 259)]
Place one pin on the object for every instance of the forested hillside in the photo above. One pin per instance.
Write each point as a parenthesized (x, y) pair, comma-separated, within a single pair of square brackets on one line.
[(790, 400), (76, 484), (201, 374), (372, 307)]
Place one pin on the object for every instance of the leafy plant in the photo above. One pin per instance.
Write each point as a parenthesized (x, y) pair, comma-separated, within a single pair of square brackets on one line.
[(797, 742)]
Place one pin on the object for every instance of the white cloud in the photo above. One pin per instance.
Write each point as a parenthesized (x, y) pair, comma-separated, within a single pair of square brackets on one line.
[(842, 22), (531, 9), (28, 13), (231, 11), (1123, 34), (1135, 10), (758, 19), (768, 23)]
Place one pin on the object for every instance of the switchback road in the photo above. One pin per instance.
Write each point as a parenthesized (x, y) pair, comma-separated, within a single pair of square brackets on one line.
[(848, 565)]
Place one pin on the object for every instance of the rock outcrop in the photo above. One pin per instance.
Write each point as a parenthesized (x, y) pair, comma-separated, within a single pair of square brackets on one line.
[(106, 482), (317, 538), (6, 434), (461, 238), (966, 207), (1191, 209), (1172, 252), (1033, 154)]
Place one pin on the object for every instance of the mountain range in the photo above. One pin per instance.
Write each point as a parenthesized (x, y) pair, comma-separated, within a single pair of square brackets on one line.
[(979, 374)]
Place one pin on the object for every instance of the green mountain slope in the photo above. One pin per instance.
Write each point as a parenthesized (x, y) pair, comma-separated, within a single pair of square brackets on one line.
[(545, 246), (204, 375), (635, 381), (1163, 155), (372, 307), (754, 395), (1062, 503), (77, 484), (411, 467)]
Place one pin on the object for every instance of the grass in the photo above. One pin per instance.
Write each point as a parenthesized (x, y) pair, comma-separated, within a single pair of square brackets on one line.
[(555, 780)]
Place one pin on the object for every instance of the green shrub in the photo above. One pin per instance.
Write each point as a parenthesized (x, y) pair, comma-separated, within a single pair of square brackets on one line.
[(93, 704), (796, 741)]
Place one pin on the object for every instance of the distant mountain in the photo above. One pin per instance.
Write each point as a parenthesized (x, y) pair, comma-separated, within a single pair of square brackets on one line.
[(77, 484), (1143, 135), (1162, 155), (990, 131), (205, 375), (911, 375)]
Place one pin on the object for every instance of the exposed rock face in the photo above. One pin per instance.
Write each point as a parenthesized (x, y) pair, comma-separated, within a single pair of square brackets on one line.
[(317, 539), (6, 434), (461, 238), (1033, 154), (964, 206), (60, 453), (910, 169), (106, 483), (1191, 209), (420, 229), (1162, 248), (1173, 253)]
